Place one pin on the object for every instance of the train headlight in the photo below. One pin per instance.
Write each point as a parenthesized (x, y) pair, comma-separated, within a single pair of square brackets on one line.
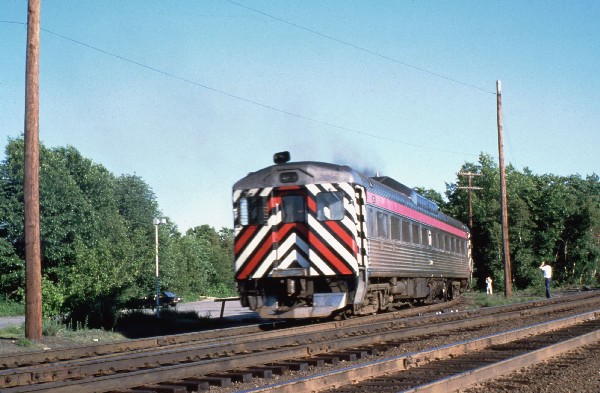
[(288, 177), (281, 157)]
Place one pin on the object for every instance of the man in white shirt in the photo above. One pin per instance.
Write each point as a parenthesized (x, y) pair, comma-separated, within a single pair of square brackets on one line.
[(547, 269), (489, 289)]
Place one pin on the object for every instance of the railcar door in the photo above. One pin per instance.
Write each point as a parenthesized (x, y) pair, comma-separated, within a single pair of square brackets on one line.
[(290, 232)]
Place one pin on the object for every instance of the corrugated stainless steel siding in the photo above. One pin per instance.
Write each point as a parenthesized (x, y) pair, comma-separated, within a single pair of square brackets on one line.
[(395, 259)]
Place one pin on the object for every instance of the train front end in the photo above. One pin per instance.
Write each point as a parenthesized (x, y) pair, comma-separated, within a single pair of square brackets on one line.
[(297, 240)]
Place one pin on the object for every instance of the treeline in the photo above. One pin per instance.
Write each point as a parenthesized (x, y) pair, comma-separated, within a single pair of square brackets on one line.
[(97, 239), (551, 218)]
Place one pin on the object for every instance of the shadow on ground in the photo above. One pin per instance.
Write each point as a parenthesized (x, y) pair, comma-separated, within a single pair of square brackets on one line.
[(139, 324)]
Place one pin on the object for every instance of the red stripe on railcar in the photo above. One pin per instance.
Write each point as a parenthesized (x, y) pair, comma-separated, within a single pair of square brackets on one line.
[(258, 257), (262, 251), (288, 188), (273, 202), (245, 236), (312, 205), (329, 256), (281, 232), (399, 208), (342, 235)]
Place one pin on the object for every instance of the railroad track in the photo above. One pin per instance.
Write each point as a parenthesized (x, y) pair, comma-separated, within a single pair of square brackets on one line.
[(454, 367), (193, 361)]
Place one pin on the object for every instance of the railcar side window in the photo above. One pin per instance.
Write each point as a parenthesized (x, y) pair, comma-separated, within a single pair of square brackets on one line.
[(371, 223), (293, 208), (416, 234), (434, 239), (382, 224), (252, 211), (330, 206), (405, 231), (425, 236), (395, 221)]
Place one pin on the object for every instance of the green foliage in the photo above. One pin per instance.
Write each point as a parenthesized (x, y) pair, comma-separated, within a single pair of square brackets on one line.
[(97, 240), (200, 262), (551, 218), (51, 327), (53, 298)]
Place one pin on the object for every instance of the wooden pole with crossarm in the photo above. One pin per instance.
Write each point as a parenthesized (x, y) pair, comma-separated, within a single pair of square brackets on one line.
[(503, 203)]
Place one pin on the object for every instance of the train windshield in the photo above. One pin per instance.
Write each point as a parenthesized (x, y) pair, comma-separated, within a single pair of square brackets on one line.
[(330, 206), (293, 208), (252, 211)]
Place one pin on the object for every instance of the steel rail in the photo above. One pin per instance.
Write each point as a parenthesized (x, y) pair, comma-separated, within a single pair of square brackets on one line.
[(507, 366), (146, 344), (339, 378), (326, 337), (193, 368)]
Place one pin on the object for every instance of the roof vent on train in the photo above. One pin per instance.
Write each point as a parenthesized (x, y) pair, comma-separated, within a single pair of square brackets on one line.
[(281, 157), (395, 185), (417, 199), (427, 204)]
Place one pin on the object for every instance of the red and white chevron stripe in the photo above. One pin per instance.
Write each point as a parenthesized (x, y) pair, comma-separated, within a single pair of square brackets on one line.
[(325, 248)]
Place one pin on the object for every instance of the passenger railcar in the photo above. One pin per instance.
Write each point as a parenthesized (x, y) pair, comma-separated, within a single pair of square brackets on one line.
[(314, 239)]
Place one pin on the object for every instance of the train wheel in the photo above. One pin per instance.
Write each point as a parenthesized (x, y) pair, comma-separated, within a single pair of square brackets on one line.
[(344, 314)]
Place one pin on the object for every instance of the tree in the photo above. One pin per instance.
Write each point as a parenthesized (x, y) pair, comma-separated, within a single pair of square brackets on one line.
[(94, 245), (551, 218)]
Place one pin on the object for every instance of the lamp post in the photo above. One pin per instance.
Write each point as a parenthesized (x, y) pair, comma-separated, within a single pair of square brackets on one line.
[(157, 222)]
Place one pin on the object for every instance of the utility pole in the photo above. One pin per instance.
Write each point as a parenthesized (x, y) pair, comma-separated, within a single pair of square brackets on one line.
[(470, 188), (505, 242), (33, 270)]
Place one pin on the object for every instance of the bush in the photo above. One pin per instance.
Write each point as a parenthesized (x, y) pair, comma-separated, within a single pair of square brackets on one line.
[(51, 327)]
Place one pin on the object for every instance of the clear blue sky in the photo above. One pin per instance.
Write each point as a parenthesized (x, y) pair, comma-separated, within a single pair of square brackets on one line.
[(218, 88)]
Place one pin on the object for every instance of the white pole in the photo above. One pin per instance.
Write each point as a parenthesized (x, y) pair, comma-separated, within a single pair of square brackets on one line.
[(156, 222)]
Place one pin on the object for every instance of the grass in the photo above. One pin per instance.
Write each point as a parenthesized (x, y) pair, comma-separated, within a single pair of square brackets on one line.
[(55, 335), (11, 309), (481, 299)]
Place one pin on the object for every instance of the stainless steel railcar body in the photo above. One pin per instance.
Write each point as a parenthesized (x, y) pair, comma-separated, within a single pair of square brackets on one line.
[(313, 239)]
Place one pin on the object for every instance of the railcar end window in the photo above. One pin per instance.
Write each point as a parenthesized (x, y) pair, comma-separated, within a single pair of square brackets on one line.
[(293, 208), (252, 211), (330, 206)]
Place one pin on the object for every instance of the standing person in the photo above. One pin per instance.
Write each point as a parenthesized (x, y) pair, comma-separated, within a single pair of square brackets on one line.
[(489, 289), (547, 269)]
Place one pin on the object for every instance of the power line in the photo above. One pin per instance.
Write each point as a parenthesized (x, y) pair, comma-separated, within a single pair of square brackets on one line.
[(247, 100), (360, 48)]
